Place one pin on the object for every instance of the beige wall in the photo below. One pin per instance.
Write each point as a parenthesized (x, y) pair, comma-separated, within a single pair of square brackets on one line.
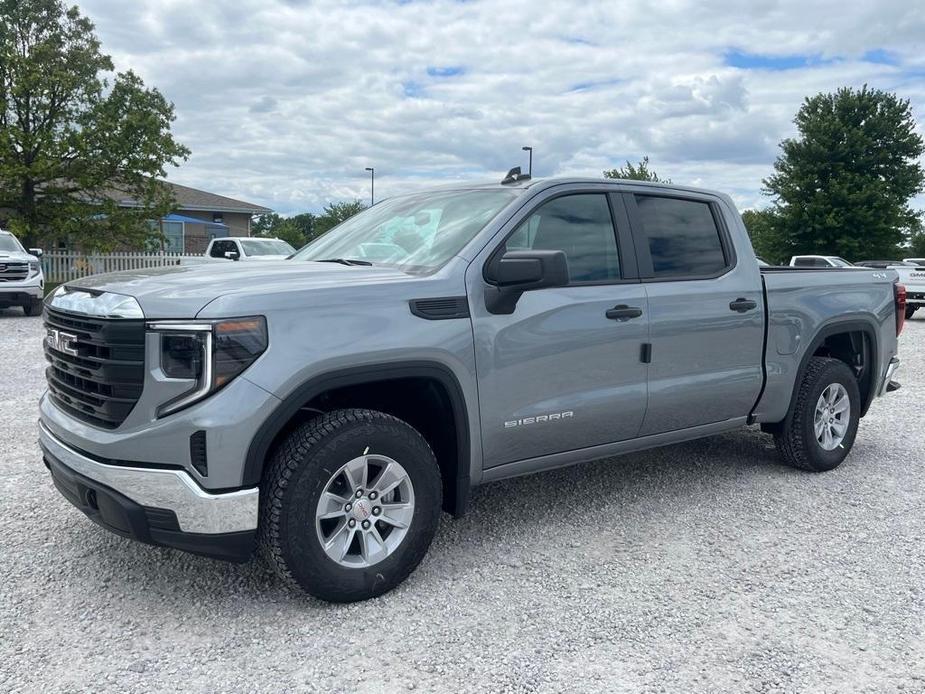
[(238, 222)]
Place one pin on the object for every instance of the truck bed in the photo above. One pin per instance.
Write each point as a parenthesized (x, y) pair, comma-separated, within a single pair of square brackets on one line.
[(799, 302)]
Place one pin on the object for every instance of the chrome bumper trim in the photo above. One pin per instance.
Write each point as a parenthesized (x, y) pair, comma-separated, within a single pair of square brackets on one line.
[(890, 370), (197, 510)]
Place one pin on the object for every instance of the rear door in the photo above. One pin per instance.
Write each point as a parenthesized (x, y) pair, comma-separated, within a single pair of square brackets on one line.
[(565, 370), (706, 311)]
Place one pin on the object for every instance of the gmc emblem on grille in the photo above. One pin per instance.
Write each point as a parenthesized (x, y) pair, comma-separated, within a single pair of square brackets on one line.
[(62, 341)]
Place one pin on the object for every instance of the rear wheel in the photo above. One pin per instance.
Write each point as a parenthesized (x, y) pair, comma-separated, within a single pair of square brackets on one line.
[(350, 505), (909, 311), (819, 431)]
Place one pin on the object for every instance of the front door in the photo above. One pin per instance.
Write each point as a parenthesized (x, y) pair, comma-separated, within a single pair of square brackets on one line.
[(706, 312), (558, 374)]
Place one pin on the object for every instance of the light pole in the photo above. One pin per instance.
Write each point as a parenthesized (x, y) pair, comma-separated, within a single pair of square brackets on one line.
[(372, 185), (530, 165)]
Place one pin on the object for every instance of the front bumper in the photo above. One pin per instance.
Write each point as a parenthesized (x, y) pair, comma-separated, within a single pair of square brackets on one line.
[(161, 506), (19, 294), (915, 297)]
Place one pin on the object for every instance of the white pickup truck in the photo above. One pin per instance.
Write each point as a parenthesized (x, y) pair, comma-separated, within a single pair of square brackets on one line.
[(246, 248), (911, 273), (21, 280)]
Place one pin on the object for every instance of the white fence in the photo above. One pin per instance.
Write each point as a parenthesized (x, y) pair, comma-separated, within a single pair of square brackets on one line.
[(65, 266)]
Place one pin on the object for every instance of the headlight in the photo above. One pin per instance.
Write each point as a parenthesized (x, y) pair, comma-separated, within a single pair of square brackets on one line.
[(34, 267), (209, 353)]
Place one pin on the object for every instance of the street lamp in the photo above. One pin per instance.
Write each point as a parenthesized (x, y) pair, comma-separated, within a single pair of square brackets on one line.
[(372, 185), (530, 165)]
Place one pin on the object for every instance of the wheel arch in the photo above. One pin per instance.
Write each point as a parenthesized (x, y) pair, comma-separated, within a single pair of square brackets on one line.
[(826, 342), (453, 456)]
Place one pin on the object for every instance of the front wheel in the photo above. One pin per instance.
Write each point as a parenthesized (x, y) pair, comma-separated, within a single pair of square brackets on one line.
[(350, 505), (820, 428), (909, 311), (33, 308)]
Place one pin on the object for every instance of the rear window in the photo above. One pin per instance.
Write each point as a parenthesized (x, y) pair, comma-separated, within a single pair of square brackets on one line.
[(683, 237)]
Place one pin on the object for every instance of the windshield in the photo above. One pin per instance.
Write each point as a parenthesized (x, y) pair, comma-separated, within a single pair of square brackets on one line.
[(414, 232), (9, 244), (266, 247), (840, 262)]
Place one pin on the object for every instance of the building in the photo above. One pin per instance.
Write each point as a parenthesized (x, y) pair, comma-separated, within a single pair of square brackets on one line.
[(199, 217)]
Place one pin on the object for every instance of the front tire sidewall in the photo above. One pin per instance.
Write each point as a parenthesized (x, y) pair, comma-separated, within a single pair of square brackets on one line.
[(302, 552), (819, 458)]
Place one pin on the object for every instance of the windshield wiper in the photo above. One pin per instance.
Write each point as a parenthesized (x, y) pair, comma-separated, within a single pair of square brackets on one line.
[(345, 261)]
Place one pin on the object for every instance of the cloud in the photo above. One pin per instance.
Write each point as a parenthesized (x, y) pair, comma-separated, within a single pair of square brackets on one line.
[(284, 103)]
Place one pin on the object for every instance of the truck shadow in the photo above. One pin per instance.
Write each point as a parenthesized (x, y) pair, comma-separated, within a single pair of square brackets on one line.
[(502, 524)]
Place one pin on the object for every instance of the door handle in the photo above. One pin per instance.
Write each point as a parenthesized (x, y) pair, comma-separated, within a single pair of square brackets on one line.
[(741, 305), (623, 312)]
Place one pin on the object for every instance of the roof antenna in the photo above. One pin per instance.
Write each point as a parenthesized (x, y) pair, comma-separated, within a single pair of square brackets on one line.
[(514, 176)]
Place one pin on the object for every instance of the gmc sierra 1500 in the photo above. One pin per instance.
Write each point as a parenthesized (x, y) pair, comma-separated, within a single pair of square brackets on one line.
[(325, 408)]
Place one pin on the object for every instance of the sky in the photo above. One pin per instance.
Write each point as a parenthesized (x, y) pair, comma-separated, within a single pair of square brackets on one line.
[(284, 103)]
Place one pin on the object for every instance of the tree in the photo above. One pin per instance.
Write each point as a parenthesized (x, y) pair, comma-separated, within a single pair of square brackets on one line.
[(334, 213), (71, 137), (296, 230), (843, 185), (763, 232), (639, 172)]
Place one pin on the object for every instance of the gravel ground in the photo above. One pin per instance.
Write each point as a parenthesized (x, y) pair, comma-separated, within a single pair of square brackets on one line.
[(700, 567)]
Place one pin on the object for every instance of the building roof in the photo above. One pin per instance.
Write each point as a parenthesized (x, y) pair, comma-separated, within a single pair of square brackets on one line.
[(194, 199)]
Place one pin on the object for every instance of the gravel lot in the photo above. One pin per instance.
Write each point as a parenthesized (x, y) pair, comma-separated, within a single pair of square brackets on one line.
[(700, 567)]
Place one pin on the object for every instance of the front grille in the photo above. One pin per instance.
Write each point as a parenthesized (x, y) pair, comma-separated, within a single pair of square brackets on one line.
[(13, 272), (100, 376)]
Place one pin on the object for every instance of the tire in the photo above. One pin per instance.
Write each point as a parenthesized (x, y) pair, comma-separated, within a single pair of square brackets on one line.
[(312, 461), (33, 308), (909, 311), (796, 438)]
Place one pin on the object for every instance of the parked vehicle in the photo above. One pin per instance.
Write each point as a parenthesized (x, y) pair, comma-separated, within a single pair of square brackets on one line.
[(328, 410), (911, 276), (247, 248), (883, 264), (818, 261), (21, 280)]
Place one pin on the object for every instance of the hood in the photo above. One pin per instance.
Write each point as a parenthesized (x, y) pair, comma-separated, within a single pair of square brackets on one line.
[(182, 291), (18, 256)]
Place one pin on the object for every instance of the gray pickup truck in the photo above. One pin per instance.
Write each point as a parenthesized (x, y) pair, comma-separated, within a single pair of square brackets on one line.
[(324, 409)]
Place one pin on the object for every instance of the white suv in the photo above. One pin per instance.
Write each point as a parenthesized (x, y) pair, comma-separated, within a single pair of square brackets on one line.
[(21, 280)]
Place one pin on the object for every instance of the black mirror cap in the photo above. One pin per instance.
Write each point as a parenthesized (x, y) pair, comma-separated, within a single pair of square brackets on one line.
[(529, 270), (37, 252), (517, 272)]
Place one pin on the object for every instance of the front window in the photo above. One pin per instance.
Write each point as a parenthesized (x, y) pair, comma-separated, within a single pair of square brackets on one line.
[(9, 244), (413, 232), (266, 247)]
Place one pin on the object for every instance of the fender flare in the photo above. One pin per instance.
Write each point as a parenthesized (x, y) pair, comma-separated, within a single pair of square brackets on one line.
[(868, 327), (271, 427)]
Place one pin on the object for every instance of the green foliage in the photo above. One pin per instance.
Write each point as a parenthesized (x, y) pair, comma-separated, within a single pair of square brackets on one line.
[(762, 226), (843, 186), (297, 230), (336, 212), (639, 172), (70, 135), (302, 228)]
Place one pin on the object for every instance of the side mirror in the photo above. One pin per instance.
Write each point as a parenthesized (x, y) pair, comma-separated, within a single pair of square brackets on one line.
[(232, 255), (517, 272), (37, 252)]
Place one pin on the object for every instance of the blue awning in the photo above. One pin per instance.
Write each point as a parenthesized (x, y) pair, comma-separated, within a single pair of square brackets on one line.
[(191, 220)]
